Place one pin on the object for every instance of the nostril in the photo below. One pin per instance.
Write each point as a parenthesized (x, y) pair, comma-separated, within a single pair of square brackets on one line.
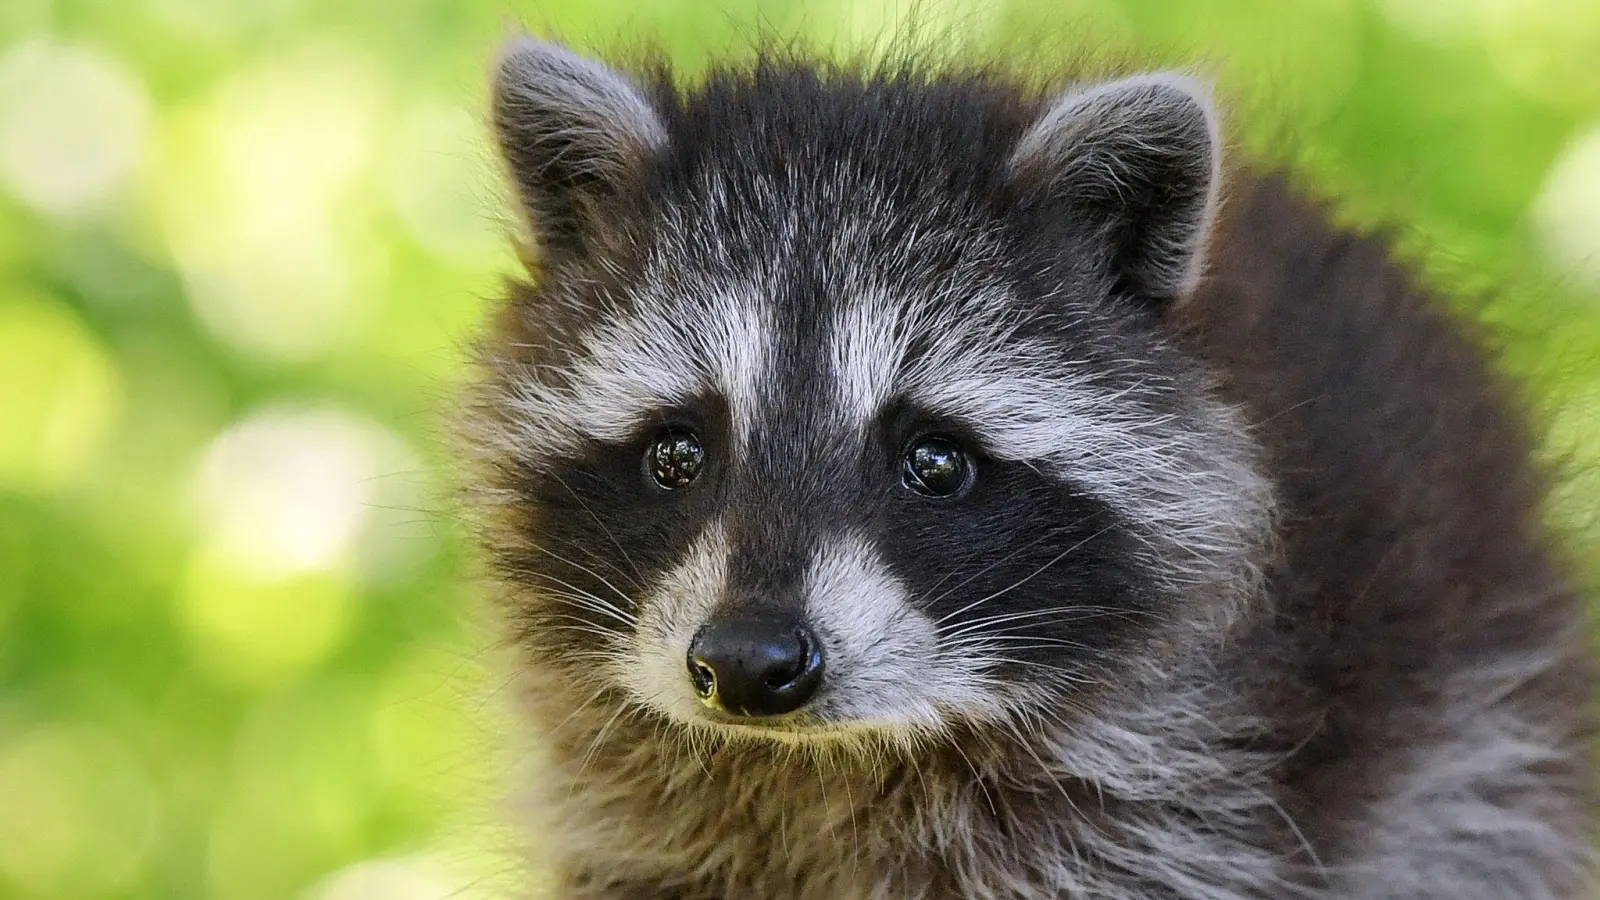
[(704, 678)]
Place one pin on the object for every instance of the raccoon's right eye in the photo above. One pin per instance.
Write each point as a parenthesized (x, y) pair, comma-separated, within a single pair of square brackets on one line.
[(674, 459)]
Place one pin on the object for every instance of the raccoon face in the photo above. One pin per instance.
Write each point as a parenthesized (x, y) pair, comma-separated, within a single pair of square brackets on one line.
[(839, 404)]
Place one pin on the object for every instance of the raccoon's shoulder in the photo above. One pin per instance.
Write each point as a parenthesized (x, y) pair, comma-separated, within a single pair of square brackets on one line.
[(1429, 643), (1380, 401)]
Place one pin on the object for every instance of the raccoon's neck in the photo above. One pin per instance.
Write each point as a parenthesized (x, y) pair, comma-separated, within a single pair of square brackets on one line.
[(1155, 783)]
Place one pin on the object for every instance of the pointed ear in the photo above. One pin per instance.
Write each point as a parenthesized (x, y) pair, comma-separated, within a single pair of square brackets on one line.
[(1138, 158), (570, 129)]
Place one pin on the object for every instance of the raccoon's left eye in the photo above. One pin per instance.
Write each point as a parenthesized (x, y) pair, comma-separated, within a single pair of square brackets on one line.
[(674, 459), (936, 467)]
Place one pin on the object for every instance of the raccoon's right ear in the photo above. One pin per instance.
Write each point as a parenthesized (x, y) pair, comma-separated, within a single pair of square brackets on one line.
[(1135, 161), (570, 129)]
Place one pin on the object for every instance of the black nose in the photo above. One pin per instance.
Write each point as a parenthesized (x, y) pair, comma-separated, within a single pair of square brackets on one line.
[(755, 666)]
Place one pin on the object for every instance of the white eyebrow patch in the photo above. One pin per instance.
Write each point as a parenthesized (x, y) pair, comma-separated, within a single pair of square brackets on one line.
[(632, 368), (1186, 480), (1019, 395)]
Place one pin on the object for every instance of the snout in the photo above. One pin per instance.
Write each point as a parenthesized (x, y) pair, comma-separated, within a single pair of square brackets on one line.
[(755, 667)]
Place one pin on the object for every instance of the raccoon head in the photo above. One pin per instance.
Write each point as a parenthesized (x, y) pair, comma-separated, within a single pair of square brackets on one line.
[(840, 402)]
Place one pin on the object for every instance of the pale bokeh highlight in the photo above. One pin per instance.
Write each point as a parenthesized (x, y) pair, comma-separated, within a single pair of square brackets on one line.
[(73, 124)]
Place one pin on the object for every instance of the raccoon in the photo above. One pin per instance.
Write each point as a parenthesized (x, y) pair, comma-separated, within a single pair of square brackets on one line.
[(904, 481)]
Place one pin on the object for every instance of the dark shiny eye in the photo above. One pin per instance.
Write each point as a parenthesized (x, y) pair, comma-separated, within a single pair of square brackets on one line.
[(674, 459), (936, 467)]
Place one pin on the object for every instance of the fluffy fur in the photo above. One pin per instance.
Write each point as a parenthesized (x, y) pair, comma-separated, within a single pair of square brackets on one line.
[(1248, 598)]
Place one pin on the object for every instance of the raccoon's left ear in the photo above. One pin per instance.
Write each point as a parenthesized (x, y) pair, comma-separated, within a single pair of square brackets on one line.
[(1138, 160)]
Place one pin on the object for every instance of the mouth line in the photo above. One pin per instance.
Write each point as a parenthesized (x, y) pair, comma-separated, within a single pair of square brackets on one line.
[(785, 728), (788, 724)]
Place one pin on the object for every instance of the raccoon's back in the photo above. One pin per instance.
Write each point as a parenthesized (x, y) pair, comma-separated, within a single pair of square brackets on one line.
[(1427, 660)]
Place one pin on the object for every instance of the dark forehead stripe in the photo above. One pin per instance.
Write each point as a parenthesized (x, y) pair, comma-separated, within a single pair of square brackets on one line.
[(793, 151), (799, 476), (790, 118)]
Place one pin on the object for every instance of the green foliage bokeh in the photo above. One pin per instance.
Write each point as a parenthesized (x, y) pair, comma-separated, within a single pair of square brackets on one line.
[(242, 243)]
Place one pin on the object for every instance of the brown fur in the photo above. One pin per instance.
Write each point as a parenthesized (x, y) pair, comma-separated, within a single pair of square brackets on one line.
[(1414, 543)]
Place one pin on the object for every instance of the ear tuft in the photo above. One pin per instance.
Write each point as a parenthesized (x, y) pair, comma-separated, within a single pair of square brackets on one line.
[(569, 128), (1140, 157)]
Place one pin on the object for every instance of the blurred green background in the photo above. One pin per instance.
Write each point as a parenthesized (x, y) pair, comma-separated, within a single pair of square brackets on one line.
[(241, 245)]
